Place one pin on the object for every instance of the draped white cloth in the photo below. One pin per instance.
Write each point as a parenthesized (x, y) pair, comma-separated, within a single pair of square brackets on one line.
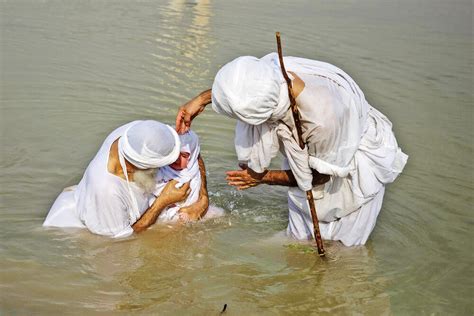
[(346, 137), (107, 204), (189, 144)]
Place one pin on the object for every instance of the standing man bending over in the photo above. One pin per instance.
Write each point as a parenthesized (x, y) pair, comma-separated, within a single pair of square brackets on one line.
[(351, 152), (112, 197)]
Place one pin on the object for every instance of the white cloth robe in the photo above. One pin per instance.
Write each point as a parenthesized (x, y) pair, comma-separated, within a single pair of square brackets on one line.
[(348, 205), (101, 201)]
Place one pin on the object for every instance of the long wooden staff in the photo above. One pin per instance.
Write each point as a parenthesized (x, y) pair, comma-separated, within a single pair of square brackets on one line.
[(296, 117)]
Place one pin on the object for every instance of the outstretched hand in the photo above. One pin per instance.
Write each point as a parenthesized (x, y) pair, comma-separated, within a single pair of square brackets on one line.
[(245, 178)]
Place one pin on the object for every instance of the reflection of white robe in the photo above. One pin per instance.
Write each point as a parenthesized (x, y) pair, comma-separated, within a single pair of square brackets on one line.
[(101, 201)]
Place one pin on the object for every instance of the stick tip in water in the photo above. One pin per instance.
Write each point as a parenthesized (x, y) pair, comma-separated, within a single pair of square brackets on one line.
[(224, 309)]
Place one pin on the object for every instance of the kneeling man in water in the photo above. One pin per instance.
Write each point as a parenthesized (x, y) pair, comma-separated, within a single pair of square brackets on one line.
[(113, 197)]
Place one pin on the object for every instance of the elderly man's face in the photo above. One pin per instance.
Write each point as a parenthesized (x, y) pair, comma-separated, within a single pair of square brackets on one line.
[(181, 162)]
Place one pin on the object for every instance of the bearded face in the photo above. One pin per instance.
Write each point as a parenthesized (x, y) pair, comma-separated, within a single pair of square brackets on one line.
[(145, 179)]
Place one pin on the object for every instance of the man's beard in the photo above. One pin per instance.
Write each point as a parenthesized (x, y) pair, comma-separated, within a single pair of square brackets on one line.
[(145, 179)]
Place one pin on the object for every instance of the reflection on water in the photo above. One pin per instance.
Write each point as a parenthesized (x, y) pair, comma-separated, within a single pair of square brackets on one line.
[(73, 71)]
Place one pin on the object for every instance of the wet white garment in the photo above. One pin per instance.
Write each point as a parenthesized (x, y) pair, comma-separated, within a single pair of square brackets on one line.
[(104, 203), (63, 213), (346, 138), (352, 230), (348, 206), (354, 143), (189, 144)]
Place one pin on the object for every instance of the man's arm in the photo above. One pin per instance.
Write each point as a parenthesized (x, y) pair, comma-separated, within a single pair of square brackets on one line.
[(247, 178), (190, 110), (203, 195), (169, 195), (198, 209)]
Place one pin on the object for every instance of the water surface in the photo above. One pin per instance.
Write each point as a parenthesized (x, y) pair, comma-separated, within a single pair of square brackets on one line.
[(72, 71)]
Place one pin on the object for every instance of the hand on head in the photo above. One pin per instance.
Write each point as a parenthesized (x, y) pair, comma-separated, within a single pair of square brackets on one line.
[(183, 120), (187, 112)]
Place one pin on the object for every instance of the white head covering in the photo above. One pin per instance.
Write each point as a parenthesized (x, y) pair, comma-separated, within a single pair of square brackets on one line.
[(149, 144), (251, 90)]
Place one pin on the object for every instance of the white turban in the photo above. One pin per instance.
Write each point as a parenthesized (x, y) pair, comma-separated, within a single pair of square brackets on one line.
[(251, 90), (149, 144)]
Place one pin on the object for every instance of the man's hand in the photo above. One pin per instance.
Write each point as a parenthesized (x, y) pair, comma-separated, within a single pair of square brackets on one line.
[(245, 178), (187, 112), (171, 194), (195, 211)]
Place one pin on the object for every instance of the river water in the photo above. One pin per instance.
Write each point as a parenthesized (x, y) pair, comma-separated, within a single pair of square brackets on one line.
[(72, 71)]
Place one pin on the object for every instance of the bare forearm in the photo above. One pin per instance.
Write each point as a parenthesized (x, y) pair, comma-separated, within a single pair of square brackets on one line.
[(286, 178), (187, 112), (150, 216), (202, 172), (205, 98), (279, 177), (203, 195)]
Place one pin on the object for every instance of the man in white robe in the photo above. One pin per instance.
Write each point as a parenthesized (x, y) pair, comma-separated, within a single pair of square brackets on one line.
[(112, 199), (351, 151)]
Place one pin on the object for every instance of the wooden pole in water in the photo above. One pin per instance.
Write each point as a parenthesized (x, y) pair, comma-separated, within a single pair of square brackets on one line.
[(296, 117)]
